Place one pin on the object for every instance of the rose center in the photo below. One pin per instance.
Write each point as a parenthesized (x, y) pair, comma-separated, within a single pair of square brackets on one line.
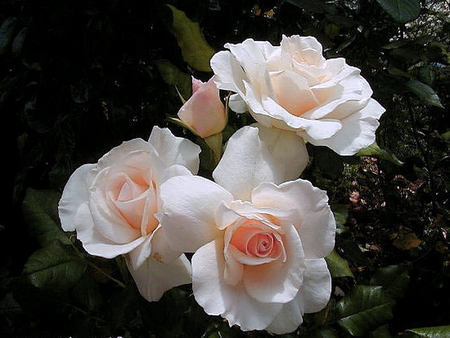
[(136, 202), (260, 245), (293, 93), (256, 242)]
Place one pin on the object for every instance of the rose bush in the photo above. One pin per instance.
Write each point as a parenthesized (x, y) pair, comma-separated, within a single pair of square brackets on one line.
[(112, 206), (259, 240), (294, 88), (204, 113)]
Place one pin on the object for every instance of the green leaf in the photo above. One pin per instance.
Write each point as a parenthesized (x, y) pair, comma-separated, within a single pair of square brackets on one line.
[(194, 48), (432, 332), (87, 293), (401, 10), (338, 266), (55, 266), (446, 135), (18, 42), (40, 211), (364, 309), (375, 150), (7, 30), (208, 158), (381, 332), (424, 92), (353, 253), (324, 333), (214, 142), (340, 212), (175, 77), (394, 279)]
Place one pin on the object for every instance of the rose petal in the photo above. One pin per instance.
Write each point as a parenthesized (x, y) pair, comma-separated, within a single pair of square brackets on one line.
[(141, 253), (175, 150), (316, 289), (237, 104), (245, 163), (126, 149), (219, 298), (137, 210), (161, 250), (234, 270), (229, 75), (190, 204), (312, 297), (153, 278), (294, 93), (228, 213), (288, 149), (303, 49), (320, 129), (107, 219), (358, 131), (282, 119), (317, 228), (254, 155), (196, 84), (94, 242), (289, 318), (75, 193), (251, 55), (278, 282)]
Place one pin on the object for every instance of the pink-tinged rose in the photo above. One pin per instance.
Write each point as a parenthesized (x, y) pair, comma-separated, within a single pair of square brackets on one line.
[(258, 247), (293, 87), (204, 112), (112, 206)]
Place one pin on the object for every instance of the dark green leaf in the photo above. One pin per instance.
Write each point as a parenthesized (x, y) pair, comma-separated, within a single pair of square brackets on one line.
[(401, 10), (393, 278), (364, 309), (338, 266), (40, 211), (175, 77), (432, 332), (424, 92), (324, 333), (340, 212), (18, 42), (55, 266), (87, 293), (352, 252), (375, 150), (195, 49), (7, 30), (446, 135), (381, 332)]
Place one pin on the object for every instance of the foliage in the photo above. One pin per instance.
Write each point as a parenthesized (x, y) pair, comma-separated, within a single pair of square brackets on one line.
[(78, 77)]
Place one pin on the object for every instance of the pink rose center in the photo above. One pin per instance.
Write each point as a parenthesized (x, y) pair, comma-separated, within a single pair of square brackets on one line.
[(135, 200), (256, 242), (293, 93)]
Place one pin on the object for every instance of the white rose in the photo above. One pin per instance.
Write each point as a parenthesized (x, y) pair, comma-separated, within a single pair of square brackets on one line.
[(259, 247), (112, 206), (294, 88)]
